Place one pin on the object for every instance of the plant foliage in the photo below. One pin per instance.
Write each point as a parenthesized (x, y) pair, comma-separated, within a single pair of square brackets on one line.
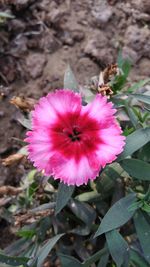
[(105, 223)]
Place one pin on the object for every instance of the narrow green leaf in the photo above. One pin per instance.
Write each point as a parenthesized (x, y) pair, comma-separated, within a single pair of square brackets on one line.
[(70, 80), (117, 215), (146, 207), (132, 116), (144, 153), (137, 85), (95, 257), (63, 195), (45, 206), (143, 98), (80, 230), (136, 205), (143, 232), (104, 260), (17, 247), (23, 151), (137, 259), (45, 224), (136, 168), (6, 15), (26, 233), (88, 196), (113, 171), (25, 122), (67, 261), (125, 67), (14, 261), (118, 248), (134, 142), (45, 250), (83, 211)]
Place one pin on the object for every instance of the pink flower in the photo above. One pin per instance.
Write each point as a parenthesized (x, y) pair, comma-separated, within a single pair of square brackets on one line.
[(73, 142)]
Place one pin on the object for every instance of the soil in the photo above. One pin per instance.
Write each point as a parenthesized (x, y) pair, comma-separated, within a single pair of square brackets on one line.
[(44, 36)]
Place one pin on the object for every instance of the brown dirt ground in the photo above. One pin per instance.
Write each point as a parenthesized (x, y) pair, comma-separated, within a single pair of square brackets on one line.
[(44, 36)]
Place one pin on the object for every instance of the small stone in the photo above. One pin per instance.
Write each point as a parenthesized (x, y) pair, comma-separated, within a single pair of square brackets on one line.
[(35, 64), (130, 54), (137, 38), (95, 48), (21, 4), (142, 5), (16, 25), (1, 113), (85, 64), (144, 67), (55, 16), (78, 35), (49, 43), (102, 12)]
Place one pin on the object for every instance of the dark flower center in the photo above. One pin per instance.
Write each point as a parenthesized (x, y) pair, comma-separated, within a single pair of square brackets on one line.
[(75, 135)]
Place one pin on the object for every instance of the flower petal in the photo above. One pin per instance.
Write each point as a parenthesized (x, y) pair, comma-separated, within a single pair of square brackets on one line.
[(54, 104), (112, 143), (73, 172), (100, 109), (65, 101)]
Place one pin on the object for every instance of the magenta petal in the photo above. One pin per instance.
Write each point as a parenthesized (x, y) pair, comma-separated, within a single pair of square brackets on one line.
[(73, 142)]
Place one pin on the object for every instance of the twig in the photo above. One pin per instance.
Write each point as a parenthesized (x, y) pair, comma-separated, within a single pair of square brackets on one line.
[(10, 190)]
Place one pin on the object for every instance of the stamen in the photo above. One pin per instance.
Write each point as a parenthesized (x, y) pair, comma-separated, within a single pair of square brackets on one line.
[(75, 135)]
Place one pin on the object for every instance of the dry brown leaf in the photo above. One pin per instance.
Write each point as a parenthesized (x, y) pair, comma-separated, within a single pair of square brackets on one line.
[(12, 159), (25, 104), (109, 72), (105, 90), (105, 77), (10, 190), (31, 217)]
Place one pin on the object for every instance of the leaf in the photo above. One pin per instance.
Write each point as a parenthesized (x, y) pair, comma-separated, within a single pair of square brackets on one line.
[(137, 85), (80, 230), (45, 250), (136, 205), (118, 248), (104, 260), (26, 233), (131, 115), (143, 232), (95, 257), (117, 215), (25, 122), (14, 261), (67, 261), (63, 195), (45, 206), (146, 207), (45, 224), (143, 98), (134, 142), (125, 67), (6, 15), (17, 247), (136, 168), (137, 259), (88, 196), (83, 211), (23, 151), (70, 80), (144, 153), (113, 171)]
